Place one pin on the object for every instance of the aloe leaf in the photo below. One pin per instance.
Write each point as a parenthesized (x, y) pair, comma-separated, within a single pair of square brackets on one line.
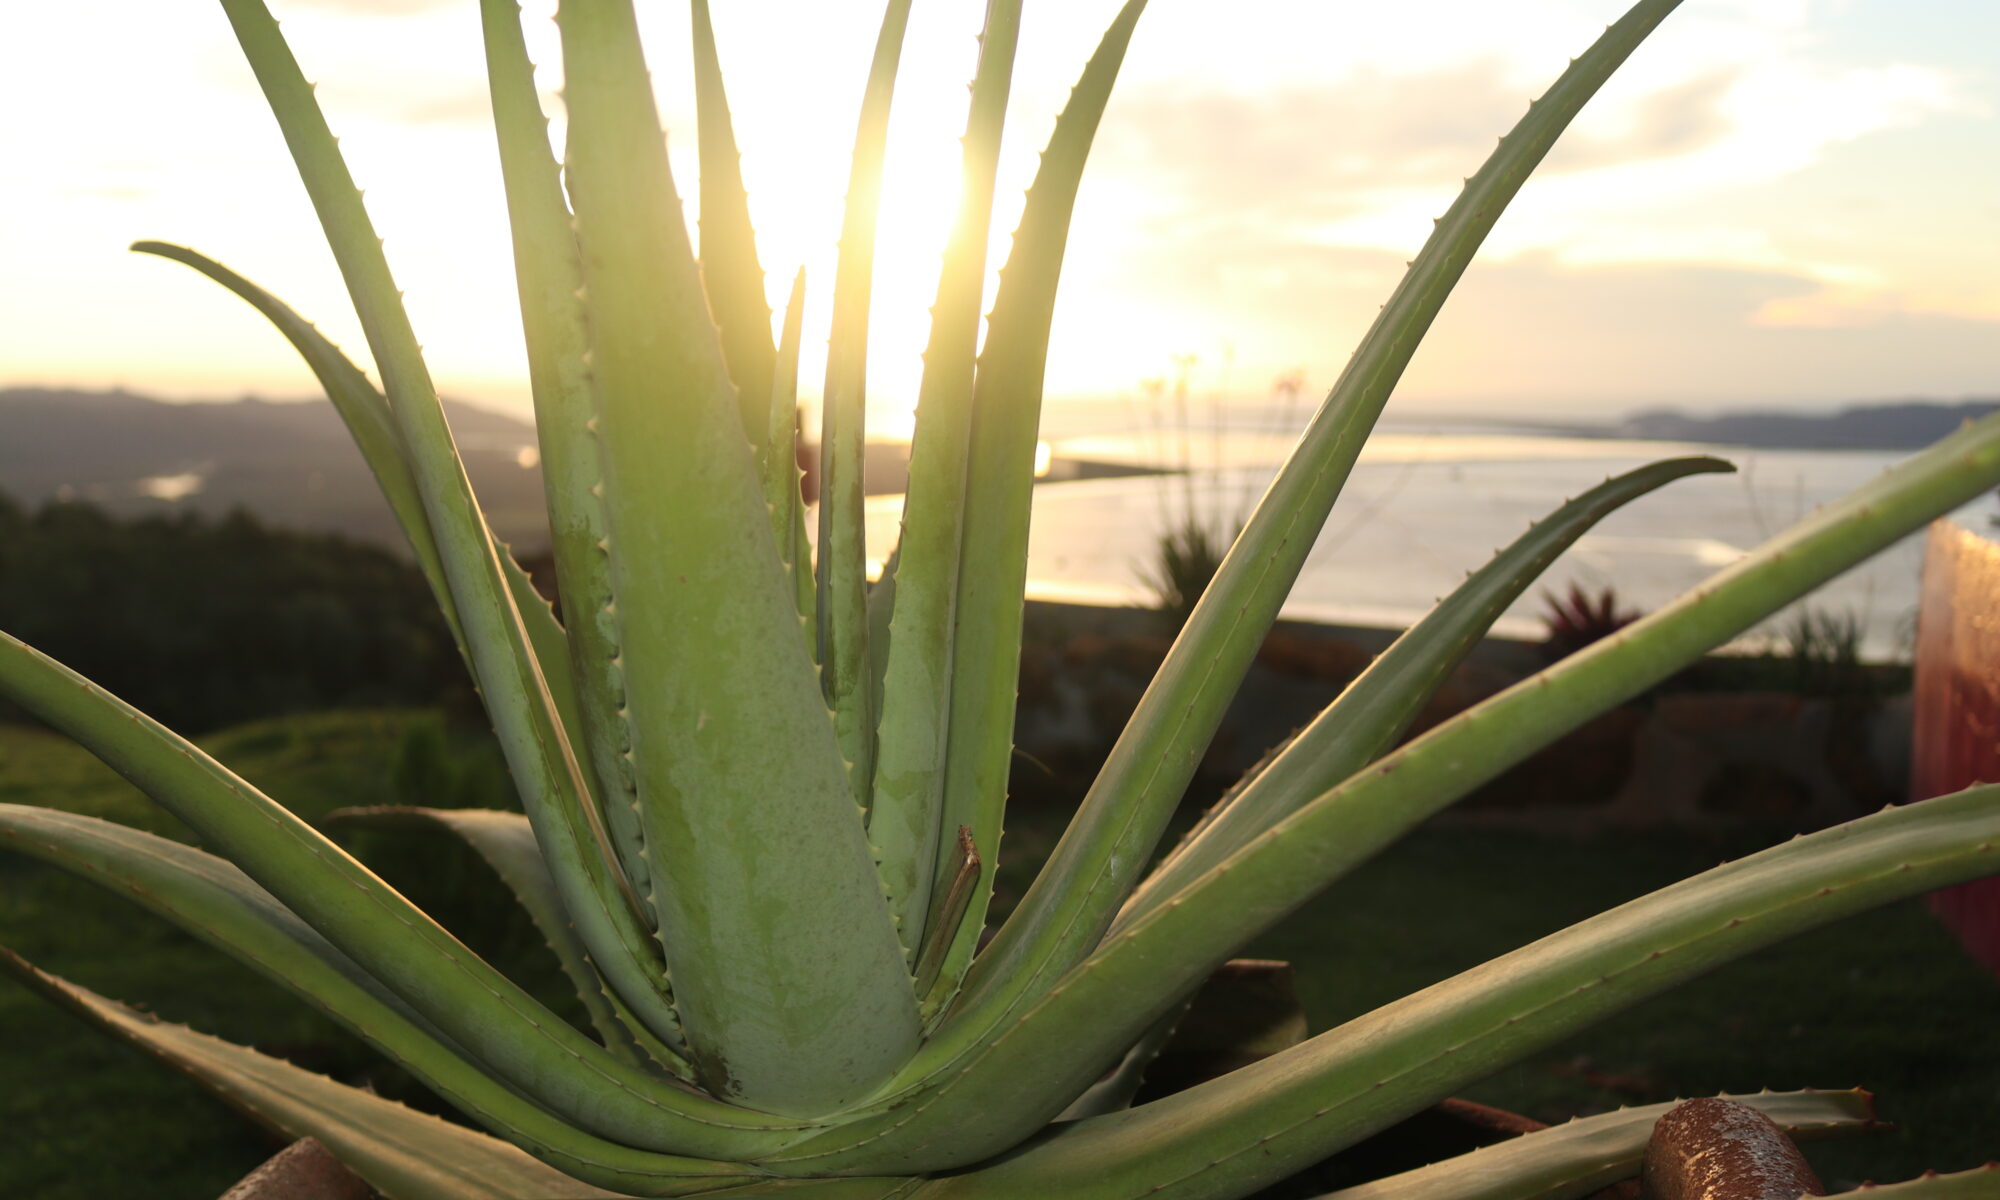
[(1247, 1010), (806, 587), (1979, 1183), (366, 414), (1114, 1092), (404, 1154), (954, 896), (549, 276), (600, 899), (841, 575), (548, 642), (1222, 804), (506, 842), (1121, 818), (1376, 708), (905, 817), (362, 409), (787, 974), (730, 272), (781, 458), (1000, 476), (492, 1019), (1079, 1027), (217, 903), (881, 607), (1260, 1123), (1590, 1153)]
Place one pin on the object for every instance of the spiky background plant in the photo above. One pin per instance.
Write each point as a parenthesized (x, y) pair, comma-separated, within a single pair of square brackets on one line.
[(763, 801)]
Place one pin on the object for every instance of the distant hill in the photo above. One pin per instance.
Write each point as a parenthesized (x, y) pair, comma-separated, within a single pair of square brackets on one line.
[(291, 463), (1889, 426)]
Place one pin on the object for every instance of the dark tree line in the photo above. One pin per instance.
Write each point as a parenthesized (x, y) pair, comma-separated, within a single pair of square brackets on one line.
[(206, 622)]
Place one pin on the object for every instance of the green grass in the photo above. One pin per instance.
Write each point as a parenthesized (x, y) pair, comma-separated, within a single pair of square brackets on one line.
[(1885, 1000), (84, 1117)]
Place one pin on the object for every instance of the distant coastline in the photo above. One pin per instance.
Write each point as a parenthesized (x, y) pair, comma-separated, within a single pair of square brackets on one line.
[(1896, 425)]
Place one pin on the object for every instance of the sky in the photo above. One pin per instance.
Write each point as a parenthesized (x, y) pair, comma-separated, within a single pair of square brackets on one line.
[(1775, 203)]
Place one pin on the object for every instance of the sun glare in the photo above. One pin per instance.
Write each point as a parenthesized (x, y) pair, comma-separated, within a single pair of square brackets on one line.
[(796, 162), (798, 227)]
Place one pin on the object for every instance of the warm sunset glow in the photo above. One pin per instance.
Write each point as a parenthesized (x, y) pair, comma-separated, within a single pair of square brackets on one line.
[(1778, 200)]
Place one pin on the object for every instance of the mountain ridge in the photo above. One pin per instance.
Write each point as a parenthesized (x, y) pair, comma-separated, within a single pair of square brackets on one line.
[(1875, 425), (293, 463)]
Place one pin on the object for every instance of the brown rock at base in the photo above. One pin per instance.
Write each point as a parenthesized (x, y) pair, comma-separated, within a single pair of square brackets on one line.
[(1716, 1149), (304, 1170)]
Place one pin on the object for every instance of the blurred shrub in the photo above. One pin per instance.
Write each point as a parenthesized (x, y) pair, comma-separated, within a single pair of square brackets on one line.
[(205, 622), (1579, 618), (1185, 560)]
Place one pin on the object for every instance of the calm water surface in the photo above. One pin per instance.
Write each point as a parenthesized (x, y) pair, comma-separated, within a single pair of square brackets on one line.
[(1426, 505)]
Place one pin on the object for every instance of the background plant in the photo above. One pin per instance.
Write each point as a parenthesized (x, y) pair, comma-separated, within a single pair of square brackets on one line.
[(1201, 518), (1186, 557), (1578, 618), (207, 622), (1824, 650), (1197, 527), (762, 800)]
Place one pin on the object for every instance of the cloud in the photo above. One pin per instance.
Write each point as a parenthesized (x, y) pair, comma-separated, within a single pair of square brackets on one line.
[(1538, 333), (1857, 305), (468, 106), (1323, 149), (1679, 120), (1535, 329), (1368, 160), (1310, 152)]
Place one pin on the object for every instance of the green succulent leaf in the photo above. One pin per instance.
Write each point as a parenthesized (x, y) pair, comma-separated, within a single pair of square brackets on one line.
[(547, 640), (366, 414), (787, 974), (1256, 1125), (506, 842), (781, 459), (1980, 1183), (1122, 816), (581, 670), (403, 1154), (601, 900), (1000, 476), (1590, 1153), (841, 576), (1376, 708), (362, 409), (1114, 1091), (480, 1010), (1098, 1008), (212, 900), (881, 606), (730, 272), (905, 819), (765, 861)]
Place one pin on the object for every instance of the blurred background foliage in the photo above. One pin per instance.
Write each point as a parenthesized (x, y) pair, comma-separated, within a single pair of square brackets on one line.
[(207, 622)]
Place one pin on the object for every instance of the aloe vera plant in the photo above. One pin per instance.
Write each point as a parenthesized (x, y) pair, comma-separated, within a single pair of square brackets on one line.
[(763, 800)]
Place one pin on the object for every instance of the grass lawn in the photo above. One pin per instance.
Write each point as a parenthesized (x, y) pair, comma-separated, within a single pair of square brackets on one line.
[(1885, 1000)]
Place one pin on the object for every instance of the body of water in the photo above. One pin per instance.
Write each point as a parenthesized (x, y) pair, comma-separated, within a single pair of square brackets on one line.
[(1426, 505)]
